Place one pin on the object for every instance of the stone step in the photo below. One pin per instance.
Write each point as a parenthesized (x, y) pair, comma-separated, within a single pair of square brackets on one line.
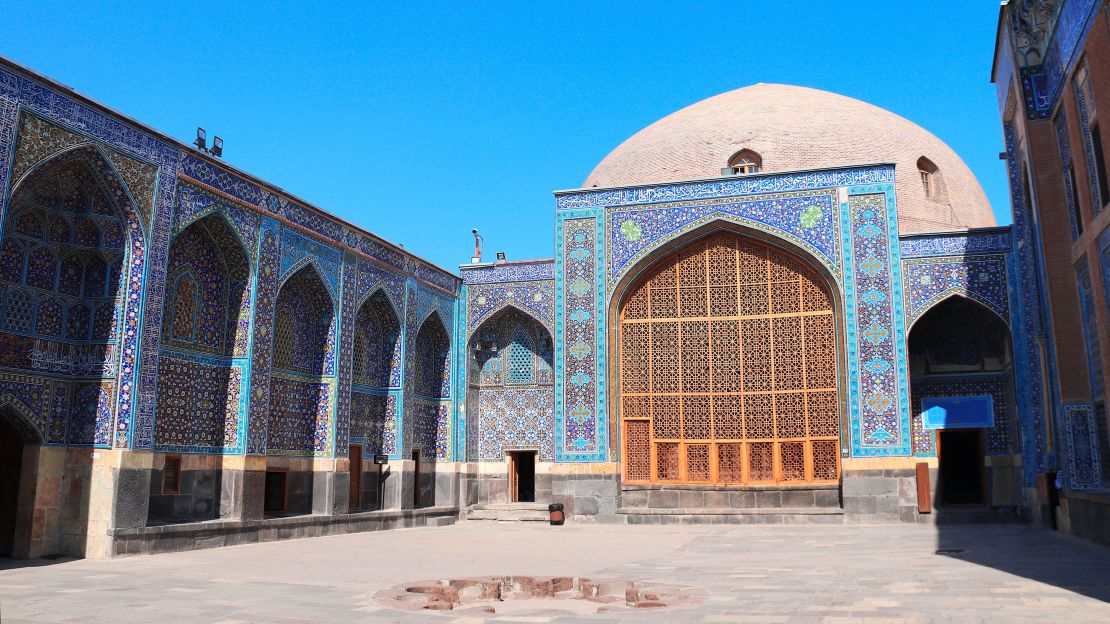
[(729, 515), (820, 497), (514, 506), (510, 512)]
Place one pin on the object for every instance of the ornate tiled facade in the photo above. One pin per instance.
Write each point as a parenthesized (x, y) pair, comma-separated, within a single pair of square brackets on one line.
[(998, 439), (207, 315), (980, 278), (152, 298)]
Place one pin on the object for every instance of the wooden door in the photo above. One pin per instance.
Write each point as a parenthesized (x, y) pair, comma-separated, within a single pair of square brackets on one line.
[(514, 479), (355, 497), (415, 478)]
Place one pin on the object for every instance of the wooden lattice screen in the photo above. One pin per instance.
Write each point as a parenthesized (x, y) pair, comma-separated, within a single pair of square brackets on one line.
[(728, 369)]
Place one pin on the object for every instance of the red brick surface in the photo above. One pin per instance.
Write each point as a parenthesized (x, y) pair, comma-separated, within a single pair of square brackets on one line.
[(795, 128)]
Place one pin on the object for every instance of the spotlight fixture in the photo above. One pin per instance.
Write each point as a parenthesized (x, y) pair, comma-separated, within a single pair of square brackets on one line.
[(500, 256), (202, 144)]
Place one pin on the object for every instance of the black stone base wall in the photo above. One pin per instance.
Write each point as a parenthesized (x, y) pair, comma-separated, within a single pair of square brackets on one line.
[(197, 499), (1088, 515), (196, 536)]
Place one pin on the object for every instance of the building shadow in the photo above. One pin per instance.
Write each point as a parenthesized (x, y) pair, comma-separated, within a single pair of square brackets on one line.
[(1030, 552)]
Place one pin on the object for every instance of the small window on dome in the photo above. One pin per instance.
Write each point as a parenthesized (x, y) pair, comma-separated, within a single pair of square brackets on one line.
[(744, 161), (928, 171)]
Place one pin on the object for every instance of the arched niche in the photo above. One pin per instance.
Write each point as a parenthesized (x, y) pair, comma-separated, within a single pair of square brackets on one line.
[(713, 337), (303, 362), (961, 363), (202, 365), (509, 394), (375, 373), (431, 406), (62, 294)]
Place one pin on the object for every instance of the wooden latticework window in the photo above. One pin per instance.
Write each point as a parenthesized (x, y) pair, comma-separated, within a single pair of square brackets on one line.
[(728, 369)]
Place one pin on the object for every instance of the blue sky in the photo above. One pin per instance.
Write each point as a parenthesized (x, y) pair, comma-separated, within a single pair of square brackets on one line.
[(421, 120)]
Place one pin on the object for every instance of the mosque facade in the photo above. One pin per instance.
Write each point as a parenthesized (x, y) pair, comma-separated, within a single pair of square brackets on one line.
[(775, 305)]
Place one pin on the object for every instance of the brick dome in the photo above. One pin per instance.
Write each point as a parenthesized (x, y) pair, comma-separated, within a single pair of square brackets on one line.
[(799, 128)]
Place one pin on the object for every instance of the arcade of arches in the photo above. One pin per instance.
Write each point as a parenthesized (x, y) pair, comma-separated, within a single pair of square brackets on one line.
[(181, 343), (728, 368)]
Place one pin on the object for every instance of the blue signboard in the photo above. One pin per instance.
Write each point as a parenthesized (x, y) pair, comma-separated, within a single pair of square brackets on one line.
[(963, 412)]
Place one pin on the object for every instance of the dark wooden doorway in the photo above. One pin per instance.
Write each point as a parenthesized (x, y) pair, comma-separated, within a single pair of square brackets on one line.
[(275, 492), (522, 476), (962, 475), (11, 463), (354, 500), (415, 478)]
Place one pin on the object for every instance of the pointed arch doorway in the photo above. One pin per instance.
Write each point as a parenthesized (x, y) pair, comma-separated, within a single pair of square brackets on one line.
[(728, 368)]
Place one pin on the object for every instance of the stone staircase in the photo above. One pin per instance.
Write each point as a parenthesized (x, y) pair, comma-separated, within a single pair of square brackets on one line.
[(510, 512)]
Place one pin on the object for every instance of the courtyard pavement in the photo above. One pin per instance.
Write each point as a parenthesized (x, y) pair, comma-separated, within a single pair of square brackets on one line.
[(1006, 573)]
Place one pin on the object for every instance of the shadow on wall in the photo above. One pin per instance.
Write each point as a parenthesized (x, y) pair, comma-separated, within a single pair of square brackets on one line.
[(44, 496)]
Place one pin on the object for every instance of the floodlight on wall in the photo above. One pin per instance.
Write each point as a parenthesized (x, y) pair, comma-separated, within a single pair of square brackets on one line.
[(202, 144), (500, 256)]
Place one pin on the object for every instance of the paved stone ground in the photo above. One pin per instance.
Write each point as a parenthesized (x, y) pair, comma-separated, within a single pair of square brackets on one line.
[(868, 574)]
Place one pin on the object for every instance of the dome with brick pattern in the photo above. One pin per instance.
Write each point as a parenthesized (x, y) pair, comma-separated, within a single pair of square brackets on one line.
[(782, 127)]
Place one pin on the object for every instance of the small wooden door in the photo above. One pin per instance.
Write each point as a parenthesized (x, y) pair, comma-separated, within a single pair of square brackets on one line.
[(514, 478), (522, 476), (415, 478), (355, 498)]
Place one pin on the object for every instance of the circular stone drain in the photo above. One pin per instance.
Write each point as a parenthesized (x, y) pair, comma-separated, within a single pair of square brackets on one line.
[(536, 595)]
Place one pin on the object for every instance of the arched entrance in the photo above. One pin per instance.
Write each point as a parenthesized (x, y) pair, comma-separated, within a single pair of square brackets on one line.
[(375, 380), (201, 362), (961, 384), (431, 388), (510, 393), (301, 391), (728, 368), (18, 441), (11, 468)]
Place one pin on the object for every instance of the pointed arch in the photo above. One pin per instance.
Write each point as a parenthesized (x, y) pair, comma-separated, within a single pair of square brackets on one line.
[(509, 384), (376, 342), (709, 336), (506, 305), (961, 347), (970, 328), (311, 262), (78, 185), (301, 382), (431, 357), (209, 253), (105, 174), (828, 267), (745, 161), (228, 221), (510, 347), (955, 291), (22, 418), (304, 296)]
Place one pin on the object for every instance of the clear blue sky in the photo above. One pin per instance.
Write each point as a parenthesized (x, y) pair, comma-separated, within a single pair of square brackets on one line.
[(421, 120)]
